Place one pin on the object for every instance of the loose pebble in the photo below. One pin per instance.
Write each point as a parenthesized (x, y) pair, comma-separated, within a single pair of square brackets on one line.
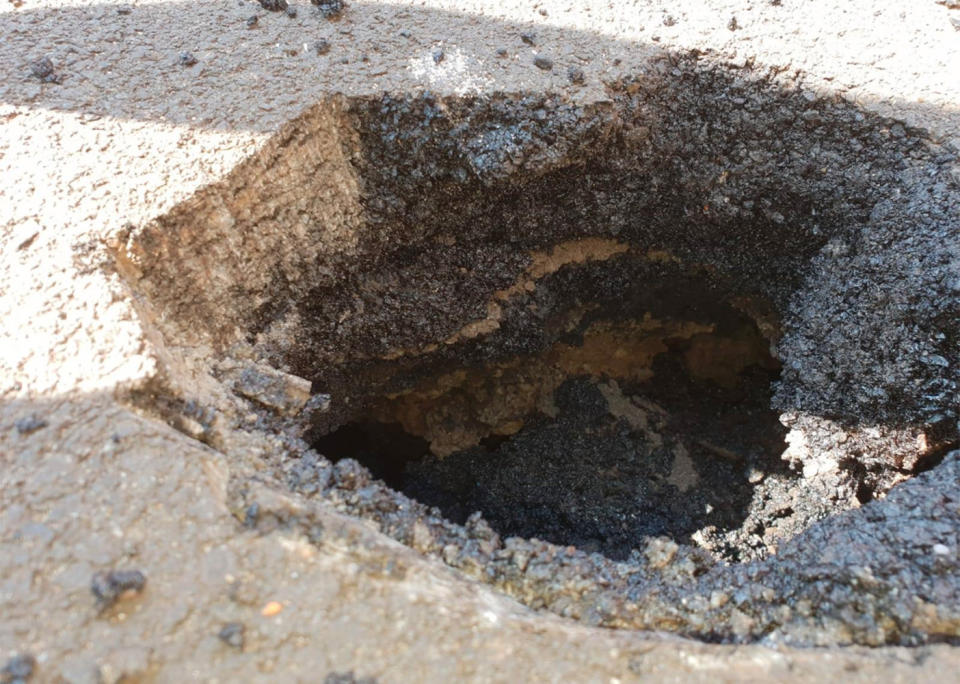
[(30, 424), (330, 9), (18, 669), (272, 608), (44, 70), (232, 634), (544, 63), (109, 586)]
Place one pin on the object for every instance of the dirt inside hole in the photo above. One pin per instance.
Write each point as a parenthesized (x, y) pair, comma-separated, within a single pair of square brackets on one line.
[(617, 431)]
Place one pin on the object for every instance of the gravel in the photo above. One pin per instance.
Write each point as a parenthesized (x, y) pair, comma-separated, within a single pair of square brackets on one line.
[(232, 634), (30, 424), (330, 9), (44, 70), (18, 669), (544, 63), (109, 586)]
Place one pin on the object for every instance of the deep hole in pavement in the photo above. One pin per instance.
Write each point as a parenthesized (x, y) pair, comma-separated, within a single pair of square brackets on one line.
[(628, 425), (706, 320)]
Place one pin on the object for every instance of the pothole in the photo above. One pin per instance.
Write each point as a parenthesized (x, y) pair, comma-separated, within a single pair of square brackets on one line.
[(653, 362), (644, 412)]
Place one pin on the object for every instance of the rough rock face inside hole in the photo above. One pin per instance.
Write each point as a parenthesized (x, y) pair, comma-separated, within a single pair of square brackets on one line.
[(619, 430)]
